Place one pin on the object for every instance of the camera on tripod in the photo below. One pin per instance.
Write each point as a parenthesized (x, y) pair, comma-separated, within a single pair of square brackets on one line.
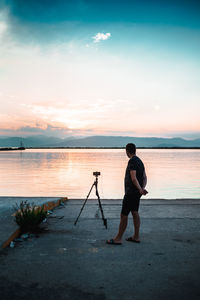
[(96, 173), (95, 184)]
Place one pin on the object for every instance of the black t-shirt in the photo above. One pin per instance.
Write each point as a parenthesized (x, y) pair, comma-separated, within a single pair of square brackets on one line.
[(136, 164)]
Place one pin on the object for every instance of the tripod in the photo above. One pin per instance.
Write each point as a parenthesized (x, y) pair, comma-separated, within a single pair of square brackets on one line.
[(99, 201)]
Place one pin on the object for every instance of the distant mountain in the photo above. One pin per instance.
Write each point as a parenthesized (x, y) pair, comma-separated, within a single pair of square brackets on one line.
[(97, 141), (120, 141), (33, 141)]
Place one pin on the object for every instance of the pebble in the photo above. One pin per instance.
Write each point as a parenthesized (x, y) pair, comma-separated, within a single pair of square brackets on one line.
[(12, 244), (25, 236)]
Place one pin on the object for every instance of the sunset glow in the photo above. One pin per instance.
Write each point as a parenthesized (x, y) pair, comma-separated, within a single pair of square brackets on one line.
[(63, 72)]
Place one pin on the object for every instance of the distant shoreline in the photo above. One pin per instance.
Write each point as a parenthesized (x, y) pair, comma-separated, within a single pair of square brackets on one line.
[(12, 149), (28, 148)]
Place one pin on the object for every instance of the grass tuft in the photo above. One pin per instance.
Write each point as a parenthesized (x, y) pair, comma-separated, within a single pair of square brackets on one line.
[(29, 216)]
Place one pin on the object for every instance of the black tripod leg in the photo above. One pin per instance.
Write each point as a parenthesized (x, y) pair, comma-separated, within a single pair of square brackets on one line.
[(101, 209), (84, 204)]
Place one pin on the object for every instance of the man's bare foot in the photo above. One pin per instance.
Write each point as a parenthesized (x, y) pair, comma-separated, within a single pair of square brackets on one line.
[(136, 238), (117, 240), (133, 239), (113, 242)]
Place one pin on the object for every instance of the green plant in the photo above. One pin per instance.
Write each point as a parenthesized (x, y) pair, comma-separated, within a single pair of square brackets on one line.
[(29, 216)]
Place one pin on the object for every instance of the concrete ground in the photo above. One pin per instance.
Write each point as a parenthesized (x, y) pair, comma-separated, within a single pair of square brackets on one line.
[(74, 262)]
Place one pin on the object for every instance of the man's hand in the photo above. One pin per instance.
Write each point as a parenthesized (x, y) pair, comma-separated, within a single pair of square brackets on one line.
[(143, 192)]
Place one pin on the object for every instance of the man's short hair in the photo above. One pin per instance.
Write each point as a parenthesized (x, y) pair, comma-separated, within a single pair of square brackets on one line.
[(131, 148)]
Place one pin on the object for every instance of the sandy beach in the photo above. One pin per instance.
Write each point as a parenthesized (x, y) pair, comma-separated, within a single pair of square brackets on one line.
[(74, 262)]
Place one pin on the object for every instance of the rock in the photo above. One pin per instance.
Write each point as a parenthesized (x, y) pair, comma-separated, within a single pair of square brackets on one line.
[(12, 244), (25, 236)]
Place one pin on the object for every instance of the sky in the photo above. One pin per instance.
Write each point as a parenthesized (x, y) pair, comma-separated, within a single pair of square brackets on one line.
[(107, 67)]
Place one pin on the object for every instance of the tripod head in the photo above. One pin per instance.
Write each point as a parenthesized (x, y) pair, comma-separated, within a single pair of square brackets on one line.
[(96, 174)]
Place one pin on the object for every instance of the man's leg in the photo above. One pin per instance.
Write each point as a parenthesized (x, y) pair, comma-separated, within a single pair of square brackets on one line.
[(123, 223), (122, 228), (136, 222)]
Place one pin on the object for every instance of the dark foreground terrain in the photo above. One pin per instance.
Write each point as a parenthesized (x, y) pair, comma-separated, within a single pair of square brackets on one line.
[(74, 262)]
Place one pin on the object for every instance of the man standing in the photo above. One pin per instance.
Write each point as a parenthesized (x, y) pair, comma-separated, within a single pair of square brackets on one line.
[(135, 182)]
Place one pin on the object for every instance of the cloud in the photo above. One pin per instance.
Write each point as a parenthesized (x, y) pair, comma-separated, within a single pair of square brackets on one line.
[(3, 24), (45, 129), (64, 85), (157, 107), (3, 28), (101, 37)]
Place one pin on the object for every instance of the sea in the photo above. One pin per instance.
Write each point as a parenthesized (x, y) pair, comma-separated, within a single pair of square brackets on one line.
[(171, 173)]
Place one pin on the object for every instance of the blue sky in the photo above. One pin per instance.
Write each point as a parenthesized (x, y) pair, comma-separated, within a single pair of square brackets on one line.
[(170, 12), (100, 67)]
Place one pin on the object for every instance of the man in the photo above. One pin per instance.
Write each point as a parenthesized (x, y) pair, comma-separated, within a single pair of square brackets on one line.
[(135, 182)]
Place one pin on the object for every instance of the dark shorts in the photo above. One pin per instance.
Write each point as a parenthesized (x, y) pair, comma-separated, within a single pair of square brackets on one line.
[(131, 202)]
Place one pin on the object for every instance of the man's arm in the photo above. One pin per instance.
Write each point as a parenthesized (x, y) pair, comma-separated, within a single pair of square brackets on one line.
[(144, 179), (136, 183)]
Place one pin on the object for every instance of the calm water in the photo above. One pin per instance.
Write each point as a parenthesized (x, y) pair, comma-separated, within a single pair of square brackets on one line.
[(63, 172)]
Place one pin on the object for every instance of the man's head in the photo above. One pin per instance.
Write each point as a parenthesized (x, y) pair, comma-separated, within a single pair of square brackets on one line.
[(130, 149)]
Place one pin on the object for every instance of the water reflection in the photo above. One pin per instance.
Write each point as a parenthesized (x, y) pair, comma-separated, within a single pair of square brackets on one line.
[(64, 172)]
